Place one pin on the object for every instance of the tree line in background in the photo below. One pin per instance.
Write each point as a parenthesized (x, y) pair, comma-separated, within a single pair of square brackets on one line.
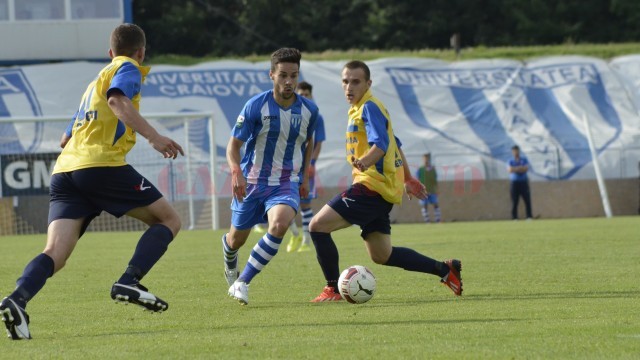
[(222, 28)]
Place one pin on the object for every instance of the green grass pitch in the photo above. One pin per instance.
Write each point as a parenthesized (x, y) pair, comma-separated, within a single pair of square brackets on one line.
[(540, 289)]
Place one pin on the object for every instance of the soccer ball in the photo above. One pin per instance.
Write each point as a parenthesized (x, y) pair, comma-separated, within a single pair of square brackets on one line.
[(357, 284)]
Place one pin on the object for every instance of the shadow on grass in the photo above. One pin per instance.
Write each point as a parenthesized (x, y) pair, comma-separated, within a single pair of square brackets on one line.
[(556, 295), (472, 297), (287, 325)]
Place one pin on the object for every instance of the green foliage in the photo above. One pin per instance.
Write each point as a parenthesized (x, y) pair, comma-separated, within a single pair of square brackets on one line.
[(232, 28), (603, 51), (541, 289)]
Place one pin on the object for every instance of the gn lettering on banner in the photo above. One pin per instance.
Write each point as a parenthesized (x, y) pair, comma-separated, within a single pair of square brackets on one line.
[(26, 174)]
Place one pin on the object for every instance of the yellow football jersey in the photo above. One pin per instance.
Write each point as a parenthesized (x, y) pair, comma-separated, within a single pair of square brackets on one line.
[(369, 124), (98, 137)]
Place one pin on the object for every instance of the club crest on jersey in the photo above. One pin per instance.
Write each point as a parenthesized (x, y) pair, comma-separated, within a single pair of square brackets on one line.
[(296, 120), (240, 122)]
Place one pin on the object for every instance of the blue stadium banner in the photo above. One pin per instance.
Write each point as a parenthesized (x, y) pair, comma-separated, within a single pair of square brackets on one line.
[(26, 174), (466, 113)]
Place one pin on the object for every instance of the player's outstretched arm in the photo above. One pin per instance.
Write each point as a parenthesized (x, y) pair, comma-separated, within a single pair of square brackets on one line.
[(125, 111), (412, 186)]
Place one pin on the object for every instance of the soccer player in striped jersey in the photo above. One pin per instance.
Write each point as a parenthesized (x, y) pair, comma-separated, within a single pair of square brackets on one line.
[(276, 128), (380, 177)]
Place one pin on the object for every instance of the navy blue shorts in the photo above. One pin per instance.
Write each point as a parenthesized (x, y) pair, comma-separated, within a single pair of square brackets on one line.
[(86, 193), (366, 208)]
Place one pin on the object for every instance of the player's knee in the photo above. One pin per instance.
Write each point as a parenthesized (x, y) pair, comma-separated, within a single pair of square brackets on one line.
[(174, 224), (379, 258), (278, 228), (314, 225)]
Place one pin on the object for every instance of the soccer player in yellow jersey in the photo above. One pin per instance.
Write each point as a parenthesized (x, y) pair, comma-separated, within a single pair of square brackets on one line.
[(91, 176), (380, 177)]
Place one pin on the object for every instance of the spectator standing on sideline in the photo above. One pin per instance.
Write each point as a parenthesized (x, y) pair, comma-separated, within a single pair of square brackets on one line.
[(519, 182), (428, 176)]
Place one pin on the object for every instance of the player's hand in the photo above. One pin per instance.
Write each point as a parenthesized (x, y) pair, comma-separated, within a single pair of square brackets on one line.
[(358, 164), (167, 147), (238, 185), (414, 187)]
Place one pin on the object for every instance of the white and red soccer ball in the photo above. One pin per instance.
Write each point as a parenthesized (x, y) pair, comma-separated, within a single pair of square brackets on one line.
[(357, 284)]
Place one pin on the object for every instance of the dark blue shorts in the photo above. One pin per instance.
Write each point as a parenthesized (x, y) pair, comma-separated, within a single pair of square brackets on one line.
[(86, 193), (366, 208)]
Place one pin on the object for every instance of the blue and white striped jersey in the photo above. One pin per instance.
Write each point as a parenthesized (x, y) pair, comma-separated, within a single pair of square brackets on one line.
[(274, 138)]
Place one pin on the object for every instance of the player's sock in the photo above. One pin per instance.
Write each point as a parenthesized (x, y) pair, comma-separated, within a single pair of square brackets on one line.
[(328, 257), (151, 246), (33, 278), (230, 255), (411, 260), (438, 216), (425, 214), (294, 228), (260, 256), (307, 215)]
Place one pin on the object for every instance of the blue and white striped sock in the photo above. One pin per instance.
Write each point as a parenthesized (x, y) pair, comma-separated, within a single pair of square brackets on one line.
[(260, 256), (230, 255), (425, 214)]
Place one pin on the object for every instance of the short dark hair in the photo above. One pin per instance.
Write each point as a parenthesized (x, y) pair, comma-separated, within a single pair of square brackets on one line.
[(285, 55), (515, 147), (303, 85), (126, 39), (427, 155), (357, 64)]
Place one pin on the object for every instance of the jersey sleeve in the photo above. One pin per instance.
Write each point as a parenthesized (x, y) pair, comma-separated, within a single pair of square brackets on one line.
[(127, 80), (69, 130), (313, 125), (319, 135), (245, 123), (376, 126), (398, 142)]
